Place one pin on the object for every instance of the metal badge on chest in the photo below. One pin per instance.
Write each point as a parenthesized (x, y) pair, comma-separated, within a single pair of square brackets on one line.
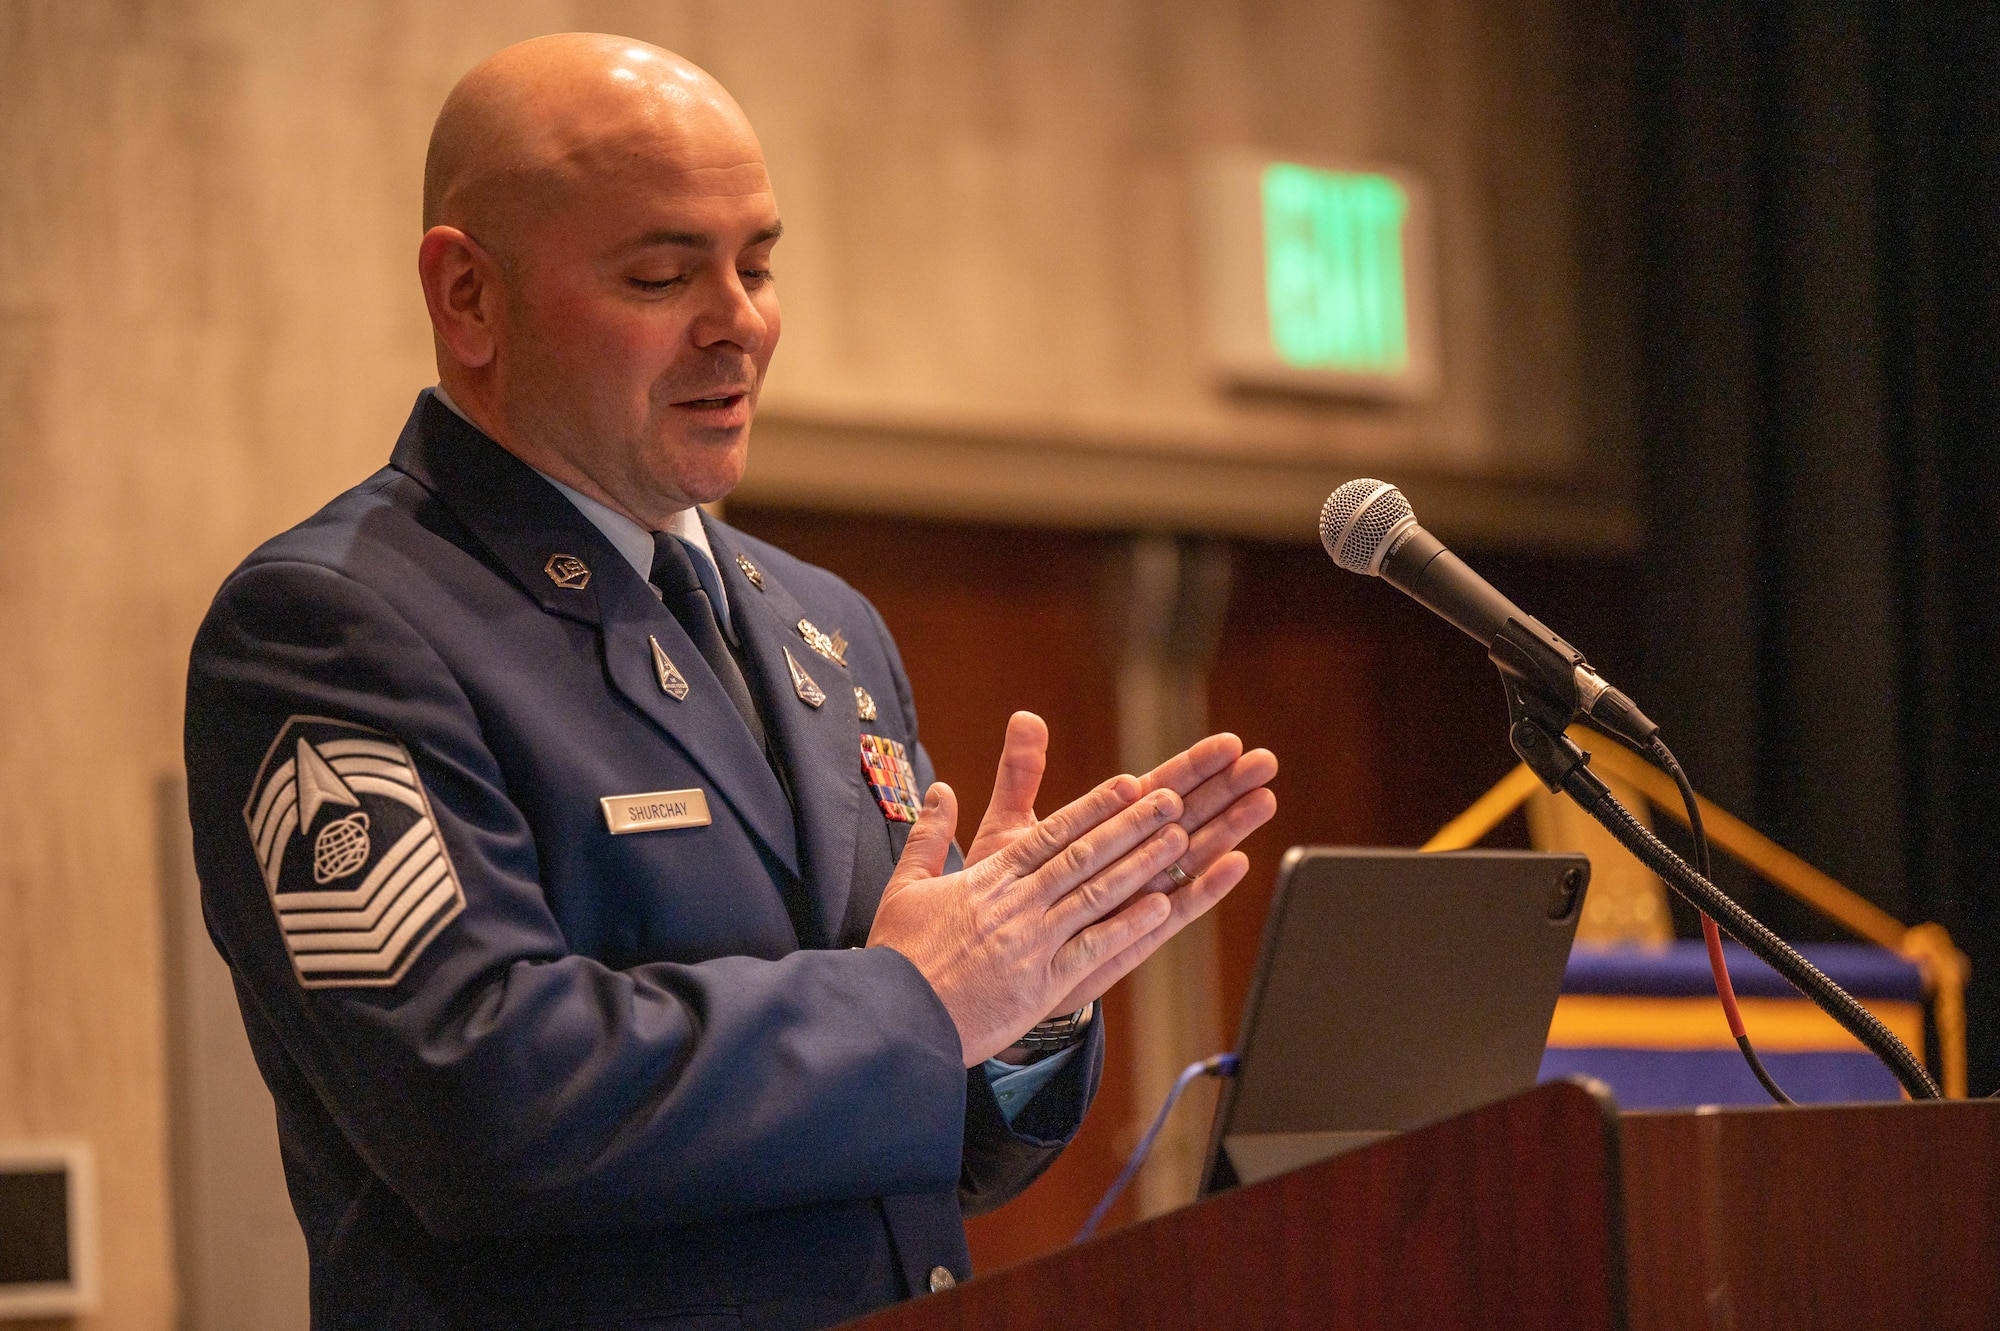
[(833, 647), (672, 682), (810, 693)]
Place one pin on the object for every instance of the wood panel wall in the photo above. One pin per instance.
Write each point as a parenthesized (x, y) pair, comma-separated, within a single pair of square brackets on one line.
[(209, 325)]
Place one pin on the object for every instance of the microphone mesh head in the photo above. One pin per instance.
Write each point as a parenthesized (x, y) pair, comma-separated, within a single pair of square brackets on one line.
[(1358, 519)]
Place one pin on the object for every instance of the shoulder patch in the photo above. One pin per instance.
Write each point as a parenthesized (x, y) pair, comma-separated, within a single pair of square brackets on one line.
[(350, 853)]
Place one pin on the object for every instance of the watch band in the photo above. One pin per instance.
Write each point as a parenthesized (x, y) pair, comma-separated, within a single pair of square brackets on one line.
[(1046, 1037)]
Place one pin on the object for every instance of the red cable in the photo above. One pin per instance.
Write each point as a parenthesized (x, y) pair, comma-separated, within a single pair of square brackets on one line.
[(1723, 989)]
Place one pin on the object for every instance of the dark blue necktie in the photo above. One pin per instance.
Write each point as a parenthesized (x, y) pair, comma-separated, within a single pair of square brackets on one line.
[(682, 590), (686, 593)]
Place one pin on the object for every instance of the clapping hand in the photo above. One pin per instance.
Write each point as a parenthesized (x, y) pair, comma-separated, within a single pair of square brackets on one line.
[(1049, 913), (1226, 798)]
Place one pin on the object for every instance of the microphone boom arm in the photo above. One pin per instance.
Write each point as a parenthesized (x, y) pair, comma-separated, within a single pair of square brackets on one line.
[(1550, 754)]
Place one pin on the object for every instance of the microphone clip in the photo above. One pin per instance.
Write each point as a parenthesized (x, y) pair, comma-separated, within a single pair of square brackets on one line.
[(1546, 750), (1539, 669), (1542, 676), (1549, 682)]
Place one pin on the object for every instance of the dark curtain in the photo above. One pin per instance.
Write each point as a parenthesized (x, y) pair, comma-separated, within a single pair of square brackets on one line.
[(1820, 197)]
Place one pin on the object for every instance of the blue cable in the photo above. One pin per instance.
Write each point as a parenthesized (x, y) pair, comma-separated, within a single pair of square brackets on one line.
[(1215, 1065)]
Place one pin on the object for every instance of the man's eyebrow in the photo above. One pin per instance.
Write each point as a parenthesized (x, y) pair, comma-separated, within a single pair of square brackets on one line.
[(701, 240)]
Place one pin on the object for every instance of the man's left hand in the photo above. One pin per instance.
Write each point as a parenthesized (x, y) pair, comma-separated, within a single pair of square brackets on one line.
[(1225, 799)]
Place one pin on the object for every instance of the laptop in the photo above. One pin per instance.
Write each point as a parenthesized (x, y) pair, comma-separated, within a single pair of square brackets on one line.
[(1394, 988)]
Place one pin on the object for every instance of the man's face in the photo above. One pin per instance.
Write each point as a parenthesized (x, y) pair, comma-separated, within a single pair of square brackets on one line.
[(640, 313)]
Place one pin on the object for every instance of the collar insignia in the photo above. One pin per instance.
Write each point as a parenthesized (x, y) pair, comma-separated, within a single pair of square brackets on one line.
[(567, 572), (833, 648), (811, 694), (672, 682), (751, 571)]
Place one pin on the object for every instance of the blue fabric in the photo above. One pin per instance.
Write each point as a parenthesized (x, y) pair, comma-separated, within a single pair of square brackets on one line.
[(1683, 1078), (1681, 971), (621, 1080), (1014, 1085), (711, 582)]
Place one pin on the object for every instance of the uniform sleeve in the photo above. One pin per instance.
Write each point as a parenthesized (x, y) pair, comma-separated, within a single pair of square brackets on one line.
[(500, 1084), (1002, 1157)]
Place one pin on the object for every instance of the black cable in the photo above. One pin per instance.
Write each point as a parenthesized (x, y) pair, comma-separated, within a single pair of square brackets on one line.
[(1596, 799), (1771, 1088), (1664, 757)]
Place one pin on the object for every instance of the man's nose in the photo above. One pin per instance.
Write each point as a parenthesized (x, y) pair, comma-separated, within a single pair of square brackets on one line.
[(730, 317)]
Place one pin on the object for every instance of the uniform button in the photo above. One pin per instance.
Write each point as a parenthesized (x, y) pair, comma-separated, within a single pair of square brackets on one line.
[(942, 1279)]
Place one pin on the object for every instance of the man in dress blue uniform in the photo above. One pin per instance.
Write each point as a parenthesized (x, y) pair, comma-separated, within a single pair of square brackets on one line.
[(595, 919)]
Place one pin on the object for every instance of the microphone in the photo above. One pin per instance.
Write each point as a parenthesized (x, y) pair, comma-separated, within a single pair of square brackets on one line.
[(1368, 527)]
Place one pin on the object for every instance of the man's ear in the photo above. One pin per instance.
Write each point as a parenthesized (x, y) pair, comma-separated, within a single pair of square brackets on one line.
[(461, 288)]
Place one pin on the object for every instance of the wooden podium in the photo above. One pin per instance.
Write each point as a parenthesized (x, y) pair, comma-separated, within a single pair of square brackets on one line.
[(1552, 1210)]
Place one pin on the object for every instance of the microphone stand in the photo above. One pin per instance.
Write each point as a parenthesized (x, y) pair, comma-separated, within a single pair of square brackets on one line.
[(1542, 698)]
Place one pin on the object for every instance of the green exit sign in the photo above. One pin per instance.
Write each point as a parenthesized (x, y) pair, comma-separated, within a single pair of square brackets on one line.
[(1317, 277), (1333, 268)]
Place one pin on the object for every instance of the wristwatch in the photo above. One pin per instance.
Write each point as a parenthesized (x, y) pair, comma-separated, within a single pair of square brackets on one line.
[(1046, 1037)]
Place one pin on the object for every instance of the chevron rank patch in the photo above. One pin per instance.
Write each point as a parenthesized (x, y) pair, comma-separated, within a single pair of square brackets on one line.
[(351, 856), (887, 766)]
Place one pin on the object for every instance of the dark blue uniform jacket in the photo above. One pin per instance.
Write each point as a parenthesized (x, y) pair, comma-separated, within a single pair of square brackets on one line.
[(529, 1073)]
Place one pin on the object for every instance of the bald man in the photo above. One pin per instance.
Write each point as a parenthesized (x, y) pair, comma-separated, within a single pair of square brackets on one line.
[(595, 918)]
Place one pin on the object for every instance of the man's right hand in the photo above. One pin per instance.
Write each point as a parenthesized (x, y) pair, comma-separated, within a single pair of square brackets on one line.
[(1004, 940)]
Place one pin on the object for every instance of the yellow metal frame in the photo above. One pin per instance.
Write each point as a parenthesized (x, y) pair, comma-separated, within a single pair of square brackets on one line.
[(1944, 968)]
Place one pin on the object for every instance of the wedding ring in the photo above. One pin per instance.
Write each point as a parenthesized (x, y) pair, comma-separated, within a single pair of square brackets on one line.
[(1180, 876)]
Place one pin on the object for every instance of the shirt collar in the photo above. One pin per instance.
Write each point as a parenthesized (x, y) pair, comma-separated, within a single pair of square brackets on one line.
[(626, 536)]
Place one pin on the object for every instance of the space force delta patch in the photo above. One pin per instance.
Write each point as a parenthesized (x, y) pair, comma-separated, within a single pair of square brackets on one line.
[(351, 856)]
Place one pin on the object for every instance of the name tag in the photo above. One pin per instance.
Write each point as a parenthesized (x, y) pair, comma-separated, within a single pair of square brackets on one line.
[(655, 812)]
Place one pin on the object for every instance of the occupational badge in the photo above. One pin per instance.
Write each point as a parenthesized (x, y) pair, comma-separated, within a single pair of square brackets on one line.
[(751, 571), (672, 682), (864, 706), (886, 765), (567, 572), (350, 853), (811, 694), (833, 648)]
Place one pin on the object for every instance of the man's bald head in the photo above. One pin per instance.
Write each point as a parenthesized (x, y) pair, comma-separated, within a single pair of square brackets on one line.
[(528, 123), (598, 227)]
